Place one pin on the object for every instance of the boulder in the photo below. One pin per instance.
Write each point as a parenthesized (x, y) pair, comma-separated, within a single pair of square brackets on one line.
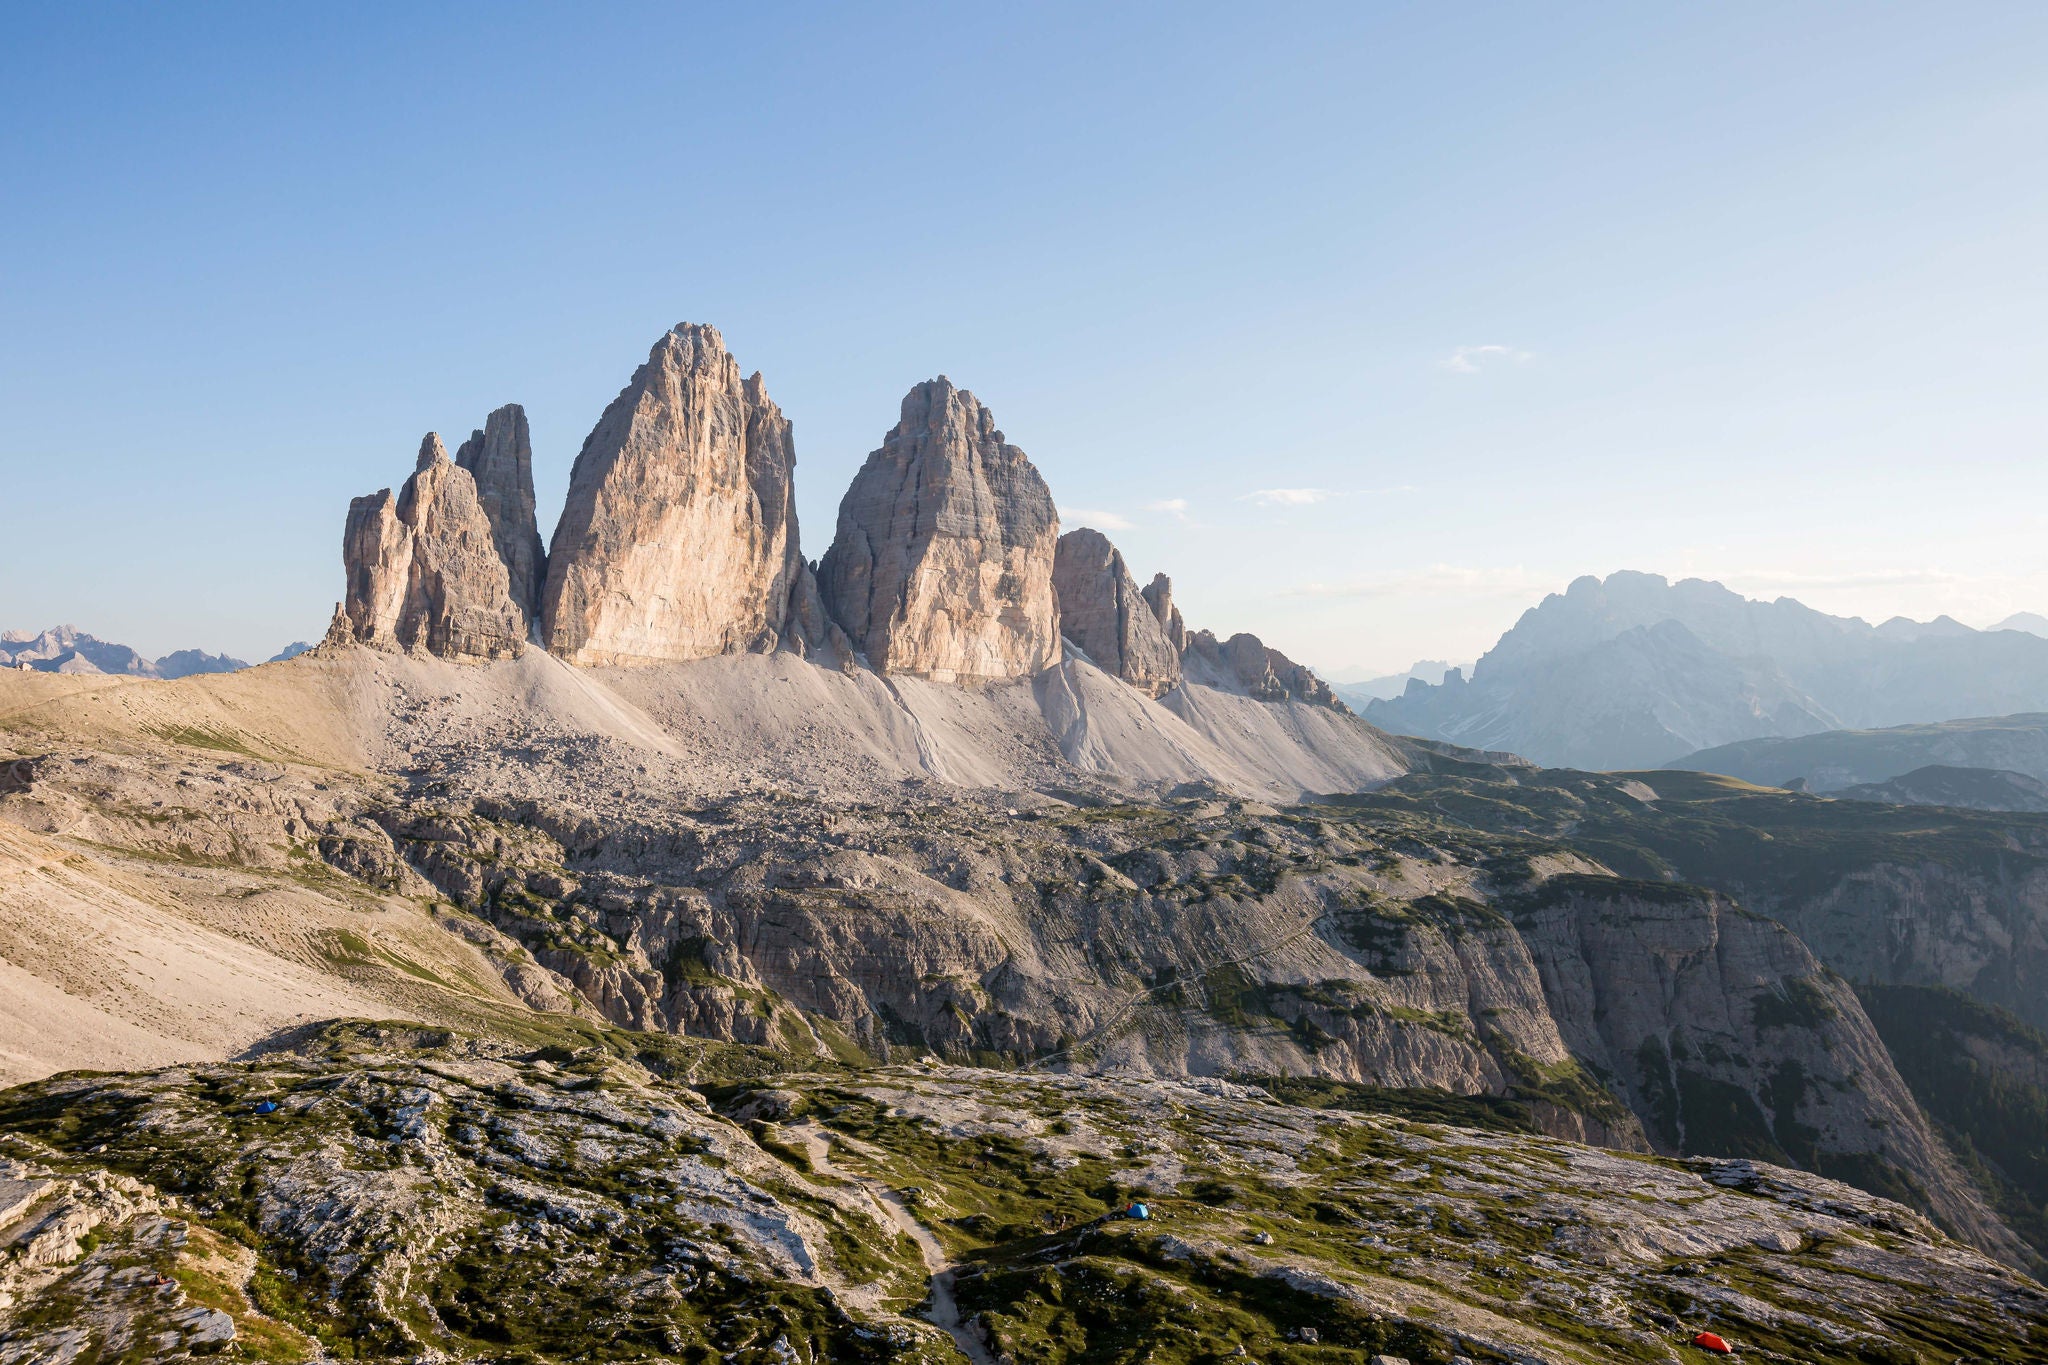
[(679, 536), (500, 459), (942, 562), (1103, 612), (423, 568)]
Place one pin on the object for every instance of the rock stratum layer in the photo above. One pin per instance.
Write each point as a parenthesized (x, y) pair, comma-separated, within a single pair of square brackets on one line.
[(424, 571), (1103, 612), (679, 536), (942, 564)]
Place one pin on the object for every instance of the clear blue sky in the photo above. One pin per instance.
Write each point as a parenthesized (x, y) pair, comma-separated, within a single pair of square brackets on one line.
[(1493, 296)]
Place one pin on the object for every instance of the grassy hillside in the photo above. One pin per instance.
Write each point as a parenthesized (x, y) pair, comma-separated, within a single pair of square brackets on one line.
[(1841, 758)]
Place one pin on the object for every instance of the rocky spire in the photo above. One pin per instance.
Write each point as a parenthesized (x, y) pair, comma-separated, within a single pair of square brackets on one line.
[(1105, 615), (679, 537), (500, 459), (1159, 596), (423, 568), (942, 564)]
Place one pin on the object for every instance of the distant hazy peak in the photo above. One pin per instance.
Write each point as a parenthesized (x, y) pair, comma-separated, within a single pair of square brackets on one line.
[(186, 662), (2029, 622)]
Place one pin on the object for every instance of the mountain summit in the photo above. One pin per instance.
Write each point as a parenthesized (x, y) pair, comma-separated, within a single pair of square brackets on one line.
[(679, 537), (943, 560)]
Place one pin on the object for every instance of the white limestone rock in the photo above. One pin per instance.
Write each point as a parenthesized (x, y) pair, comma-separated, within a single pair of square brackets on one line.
[(942, 564), (1103, 612), (679, 537)]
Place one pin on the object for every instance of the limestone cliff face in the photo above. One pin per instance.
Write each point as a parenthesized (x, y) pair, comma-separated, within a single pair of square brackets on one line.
[(424, 571), (1103, 611), (679, 537), (500, 459), (1976, 925), (1722, 1030), (942, 564)]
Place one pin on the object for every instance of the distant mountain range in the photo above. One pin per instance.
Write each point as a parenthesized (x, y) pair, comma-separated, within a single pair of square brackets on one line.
[(1360, 692), (1635, 671), (67, 649)]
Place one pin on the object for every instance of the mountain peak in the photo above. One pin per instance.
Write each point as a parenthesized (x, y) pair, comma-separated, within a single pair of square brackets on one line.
[(678, 539), (942, 563)]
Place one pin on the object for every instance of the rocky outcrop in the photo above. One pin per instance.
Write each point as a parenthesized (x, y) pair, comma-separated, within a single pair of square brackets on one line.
[(550, 1172), (1727, 1036), (679, 537), (1159, 596), (1105, 614), (942, 563), (1243, 663), (423, 569), (1633, 1014), (500, 459)]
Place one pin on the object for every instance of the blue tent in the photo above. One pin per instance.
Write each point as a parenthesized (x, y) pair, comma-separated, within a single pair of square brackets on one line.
[(267, 1107), (1139, 1212)]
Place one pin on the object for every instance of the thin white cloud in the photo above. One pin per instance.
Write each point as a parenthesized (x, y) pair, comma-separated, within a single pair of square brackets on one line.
[(1767, 580), (1176, 508), (1470, 359), (1309, 497), (1096, 517), (1288, 497), (1439, 580)]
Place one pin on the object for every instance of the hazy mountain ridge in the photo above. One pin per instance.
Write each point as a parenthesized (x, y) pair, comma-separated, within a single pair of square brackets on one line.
[(1834, 759), (1960, 788), (1635, 671), (67, 649), (1360, 692)]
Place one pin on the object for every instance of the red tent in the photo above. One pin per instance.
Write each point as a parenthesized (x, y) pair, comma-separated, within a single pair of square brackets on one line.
[(1707, 1341)]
